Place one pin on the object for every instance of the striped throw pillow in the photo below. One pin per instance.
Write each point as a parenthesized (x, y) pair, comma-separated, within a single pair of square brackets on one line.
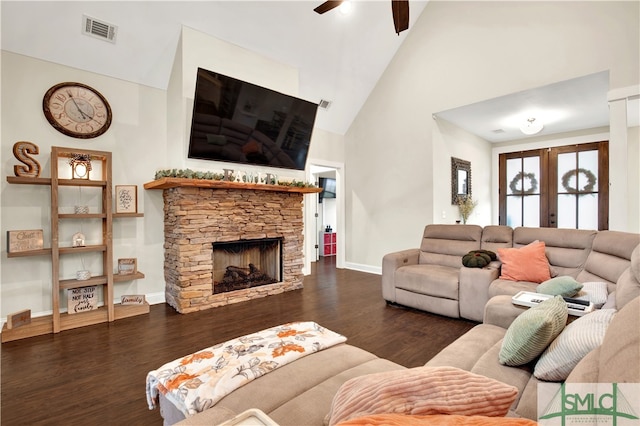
[(532, 331), (574, 343), (421, 390)]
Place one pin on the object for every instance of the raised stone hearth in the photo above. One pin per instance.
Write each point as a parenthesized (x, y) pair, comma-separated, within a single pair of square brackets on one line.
[(197, 217)]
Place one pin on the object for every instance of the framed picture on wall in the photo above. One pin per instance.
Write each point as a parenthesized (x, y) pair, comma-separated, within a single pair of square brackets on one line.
[(126, 198)]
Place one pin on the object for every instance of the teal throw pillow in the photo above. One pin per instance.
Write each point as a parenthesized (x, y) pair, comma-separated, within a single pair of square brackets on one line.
[(532, 331), (563, 285)]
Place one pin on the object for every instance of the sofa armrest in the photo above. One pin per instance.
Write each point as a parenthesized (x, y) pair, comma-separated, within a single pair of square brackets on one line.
[(474, 290), (390, 263)]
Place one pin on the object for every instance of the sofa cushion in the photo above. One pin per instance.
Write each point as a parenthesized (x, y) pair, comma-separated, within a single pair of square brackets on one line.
[(620, 349), (560, 286), (574, 343), (422, 390), (433, 280), (566, 249), (609, 257), (628, 285), (528, 263), (446, 244), (532, 331)]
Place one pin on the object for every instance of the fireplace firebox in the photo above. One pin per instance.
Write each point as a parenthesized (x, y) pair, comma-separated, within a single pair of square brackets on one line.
[(243, 264)]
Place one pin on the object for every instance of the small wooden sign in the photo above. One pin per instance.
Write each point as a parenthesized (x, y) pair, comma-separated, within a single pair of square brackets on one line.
[(82, 299), (18, 319), (18, 241), (133, 299), (127, 266)]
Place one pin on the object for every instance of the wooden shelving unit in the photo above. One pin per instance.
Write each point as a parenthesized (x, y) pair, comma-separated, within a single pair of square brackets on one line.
[(59, 321)]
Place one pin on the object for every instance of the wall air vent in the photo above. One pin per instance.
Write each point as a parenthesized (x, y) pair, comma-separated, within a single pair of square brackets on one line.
[(324, 104), (99, 29)]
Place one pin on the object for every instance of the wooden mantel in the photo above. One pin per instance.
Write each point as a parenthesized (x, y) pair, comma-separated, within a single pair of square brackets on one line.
[(169, 182)]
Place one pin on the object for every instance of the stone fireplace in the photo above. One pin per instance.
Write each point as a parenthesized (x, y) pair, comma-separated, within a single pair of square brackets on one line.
[(202, 217)]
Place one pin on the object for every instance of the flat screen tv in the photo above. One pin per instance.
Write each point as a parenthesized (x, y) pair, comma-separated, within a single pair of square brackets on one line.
[(328, 186), (239, 122)]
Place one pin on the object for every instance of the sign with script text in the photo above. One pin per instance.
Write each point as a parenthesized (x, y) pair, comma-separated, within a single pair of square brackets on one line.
[(82, 299)]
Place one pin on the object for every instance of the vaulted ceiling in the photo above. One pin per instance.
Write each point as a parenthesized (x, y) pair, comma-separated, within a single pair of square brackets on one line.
[(339, 57)]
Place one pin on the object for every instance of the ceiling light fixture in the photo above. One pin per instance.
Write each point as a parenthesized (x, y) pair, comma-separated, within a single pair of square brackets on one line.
[(345, 7), (531, 126)]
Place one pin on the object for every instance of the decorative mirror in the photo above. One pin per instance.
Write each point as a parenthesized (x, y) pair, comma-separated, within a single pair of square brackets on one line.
[(460, 179)]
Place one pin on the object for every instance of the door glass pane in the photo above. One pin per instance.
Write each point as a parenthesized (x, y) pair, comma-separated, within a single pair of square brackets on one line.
[(588, 170), (588, 211), (566, 172), (514, 211), (531, 177), (531, 210), (513, 169), (566, 211)]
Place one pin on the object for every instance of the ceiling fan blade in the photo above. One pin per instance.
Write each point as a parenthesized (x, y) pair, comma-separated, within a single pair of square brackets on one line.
[(400, 10), (327, 6)]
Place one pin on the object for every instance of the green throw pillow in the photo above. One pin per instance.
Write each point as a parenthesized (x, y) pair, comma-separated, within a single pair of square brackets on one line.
[(532, 331), (563, 285)]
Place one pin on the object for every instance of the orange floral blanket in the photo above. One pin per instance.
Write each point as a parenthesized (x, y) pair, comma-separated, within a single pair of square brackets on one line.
[(198, 381)]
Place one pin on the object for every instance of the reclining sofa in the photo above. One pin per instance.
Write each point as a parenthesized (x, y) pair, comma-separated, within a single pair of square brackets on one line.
[(301, 393), (432, 278)]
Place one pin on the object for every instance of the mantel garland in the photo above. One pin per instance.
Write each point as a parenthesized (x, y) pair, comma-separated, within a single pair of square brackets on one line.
[(191, 174), (588, 188), (520, 177)]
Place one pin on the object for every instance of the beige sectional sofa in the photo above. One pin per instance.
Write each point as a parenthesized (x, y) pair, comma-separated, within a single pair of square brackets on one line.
[(301, 393), (432, 278)]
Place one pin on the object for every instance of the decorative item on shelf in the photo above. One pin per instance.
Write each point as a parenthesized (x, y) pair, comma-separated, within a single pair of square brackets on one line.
[(133, 299), (128, 266), (22, 151), (82, 299), (466, 205), (126, 198), (83, 275), (81, 209), (587, 189), (229, 175), (18, 241), (18, 319), (327, 228), (77, 240), (520, 178), (80, 166)]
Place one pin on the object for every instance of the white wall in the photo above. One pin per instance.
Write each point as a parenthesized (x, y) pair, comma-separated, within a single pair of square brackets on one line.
[(138, 145), (456, 54)]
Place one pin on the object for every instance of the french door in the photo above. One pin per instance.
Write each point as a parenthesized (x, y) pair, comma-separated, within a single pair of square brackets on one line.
[(560, 187)]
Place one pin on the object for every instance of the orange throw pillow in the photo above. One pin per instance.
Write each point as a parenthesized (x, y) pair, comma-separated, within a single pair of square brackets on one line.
[(528, 263)]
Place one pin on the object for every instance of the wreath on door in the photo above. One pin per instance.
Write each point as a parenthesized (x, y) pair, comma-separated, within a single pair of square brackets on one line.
[(588, 188), (521, 178)]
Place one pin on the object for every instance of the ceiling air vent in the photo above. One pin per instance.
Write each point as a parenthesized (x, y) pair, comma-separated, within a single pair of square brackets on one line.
[(498, 131), (99, 29), (324, 104)]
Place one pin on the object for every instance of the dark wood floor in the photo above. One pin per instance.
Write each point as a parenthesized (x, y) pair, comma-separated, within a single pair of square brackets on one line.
[(96, 375)]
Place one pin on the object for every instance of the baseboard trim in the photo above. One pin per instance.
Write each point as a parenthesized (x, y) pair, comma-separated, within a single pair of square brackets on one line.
[(364, 268)]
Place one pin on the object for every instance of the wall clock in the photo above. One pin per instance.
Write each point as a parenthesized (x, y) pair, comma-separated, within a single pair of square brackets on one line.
[(77, 110)]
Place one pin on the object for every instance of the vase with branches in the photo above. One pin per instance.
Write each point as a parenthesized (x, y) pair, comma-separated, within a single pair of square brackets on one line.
[(466, 205)]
